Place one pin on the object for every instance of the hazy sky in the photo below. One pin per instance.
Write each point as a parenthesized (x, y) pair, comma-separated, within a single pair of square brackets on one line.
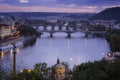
[(56, 5)]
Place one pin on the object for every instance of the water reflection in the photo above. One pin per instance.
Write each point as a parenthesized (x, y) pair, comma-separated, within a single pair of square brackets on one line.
[(71, 59), (50, 42), (68, 42), (18, 50), (11, 53), (86, 42), (2, 55), (106, 43), (78, 60), (103, 54), (30, 42)]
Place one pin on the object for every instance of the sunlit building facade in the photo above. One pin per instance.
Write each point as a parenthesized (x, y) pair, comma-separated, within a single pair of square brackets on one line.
[(5, 30), (58, 71), (113, 55)]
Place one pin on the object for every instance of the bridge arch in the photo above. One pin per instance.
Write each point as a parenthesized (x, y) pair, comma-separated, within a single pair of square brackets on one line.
[(48, 28), (56, 28), (41, 28), (64, 28)]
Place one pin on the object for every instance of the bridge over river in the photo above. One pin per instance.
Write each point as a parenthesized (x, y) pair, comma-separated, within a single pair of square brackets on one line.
[(65, 29)]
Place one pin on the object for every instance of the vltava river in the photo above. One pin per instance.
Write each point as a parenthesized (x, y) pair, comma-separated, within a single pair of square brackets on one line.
[(75, 50)]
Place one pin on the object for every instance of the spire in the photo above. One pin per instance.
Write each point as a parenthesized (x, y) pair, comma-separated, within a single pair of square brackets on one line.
[(58, 61)]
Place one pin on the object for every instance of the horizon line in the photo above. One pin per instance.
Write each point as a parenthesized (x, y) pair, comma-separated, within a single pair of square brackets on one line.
[(45, 12)]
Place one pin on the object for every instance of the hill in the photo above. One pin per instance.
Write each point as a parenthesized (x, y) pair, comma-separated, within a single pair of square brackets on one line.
[(108, 14), (47, 15)]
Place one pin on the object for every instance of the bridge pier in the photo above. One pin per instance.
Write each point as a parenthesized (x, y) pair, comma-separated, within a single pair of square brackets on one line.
[(74, 28), (53, 28), (60, 28), (39, 34), (67, 28), (69, 35), (45, 27), (86, 34), (51, 34)]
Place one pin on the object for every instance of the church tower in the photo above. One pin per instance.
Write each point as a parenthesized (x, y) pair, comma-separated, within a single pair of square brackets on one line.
[(58, 71)]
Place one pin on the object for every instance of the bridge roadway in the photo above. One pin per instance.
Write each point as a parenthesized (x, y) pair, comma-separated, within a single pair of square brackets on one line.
[(69, 32)]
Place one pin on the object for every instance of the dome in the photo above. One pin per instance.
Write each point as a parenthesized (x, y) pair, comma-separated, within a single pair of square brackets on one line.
[(59, 66), (58, 71)]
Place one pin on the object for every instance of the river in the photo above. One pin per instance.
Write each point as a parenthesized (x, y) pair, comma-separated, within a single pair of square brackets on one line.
[(75, 50)]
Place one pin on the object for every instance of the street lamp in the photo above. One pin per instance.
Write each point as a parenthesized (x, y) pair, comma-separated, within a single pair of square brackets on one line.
[(14, 58)]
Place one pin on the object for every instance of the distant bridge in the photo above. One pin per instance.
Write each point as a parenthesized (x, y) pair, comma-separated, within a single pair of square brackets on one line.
[(66, 29)]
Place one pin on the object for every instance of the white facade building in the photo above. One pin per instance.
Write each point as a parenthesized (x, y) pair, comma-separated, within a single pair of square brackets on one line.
[(117, 26), (5, 30)]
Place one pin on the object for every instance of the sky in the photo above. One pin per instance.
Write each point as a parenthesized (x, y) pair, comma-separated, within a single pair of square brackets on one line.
[(69, 6)]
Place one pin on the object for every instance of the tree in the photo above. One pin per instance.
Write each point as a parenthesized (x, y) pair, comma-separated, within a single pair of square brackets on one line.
[(115, 43), (99, 28), (113, 37), (25, 75), (98, 70), (67, 69), (26, 30), (42, 68), (2, 74)]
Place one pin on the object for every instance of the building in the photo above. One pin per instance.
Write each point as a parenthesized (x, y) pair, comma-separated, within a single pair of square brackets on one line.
[(8, 27), (106, 23), (58, 71), (117, 26), (5, 31), (113, 55), (13, 28)]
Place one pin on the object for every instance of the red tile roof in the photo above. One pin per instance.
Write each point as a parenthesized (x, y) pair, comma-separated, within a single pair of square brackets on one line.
[(1, 25)]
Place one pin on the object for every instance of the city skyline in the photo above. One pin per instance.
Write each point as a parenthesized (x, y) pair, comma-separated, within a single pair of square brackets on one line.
[(69, 6)]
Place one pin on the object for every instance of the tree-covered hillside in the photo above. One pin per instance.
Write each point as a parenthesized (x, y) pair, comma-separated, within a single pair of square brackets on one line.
[(108, 14)]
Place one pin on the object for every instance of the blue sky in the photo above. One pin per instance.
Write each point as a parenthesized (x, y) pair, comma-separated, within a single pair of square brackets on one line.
[(57, 5)]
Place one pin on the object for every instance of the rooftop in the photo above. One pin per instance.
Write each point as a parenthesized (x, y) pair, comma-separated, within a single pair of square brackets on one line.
[(58, 65), (3, 25)]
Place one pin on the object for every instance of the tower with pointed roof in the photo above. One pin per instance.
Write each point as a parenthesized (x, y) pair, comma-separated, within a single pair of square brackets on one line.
[(58, 61)]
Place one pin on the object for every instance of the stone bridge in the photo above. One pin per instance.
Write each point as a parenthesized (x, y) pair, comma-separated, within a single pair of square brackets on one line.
[(66, 29)]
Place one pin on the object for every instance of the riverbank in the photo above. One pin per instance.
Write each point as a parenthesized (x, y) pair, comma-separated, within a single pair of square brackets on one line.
[(29, 40), (19, 42)]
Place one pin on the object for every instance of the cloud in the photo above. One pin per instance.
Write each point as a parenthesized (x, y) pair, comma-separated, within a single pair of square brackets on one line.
[(57, 5), (30, 2), (1, 0), (9, 8), (24, 1), (69, 9), (90, 2), (69, 6)]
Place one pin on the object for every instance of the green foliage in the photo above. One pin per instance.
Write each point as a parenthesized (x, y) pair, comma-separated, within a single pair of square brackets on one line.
[(113, 37), (67, 69), (113, 31), (115, 43), (26, 30), (98, 28), (98, 70), (2, 74), (25, 75), (72, 23), (42, 68), (108, 14)]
